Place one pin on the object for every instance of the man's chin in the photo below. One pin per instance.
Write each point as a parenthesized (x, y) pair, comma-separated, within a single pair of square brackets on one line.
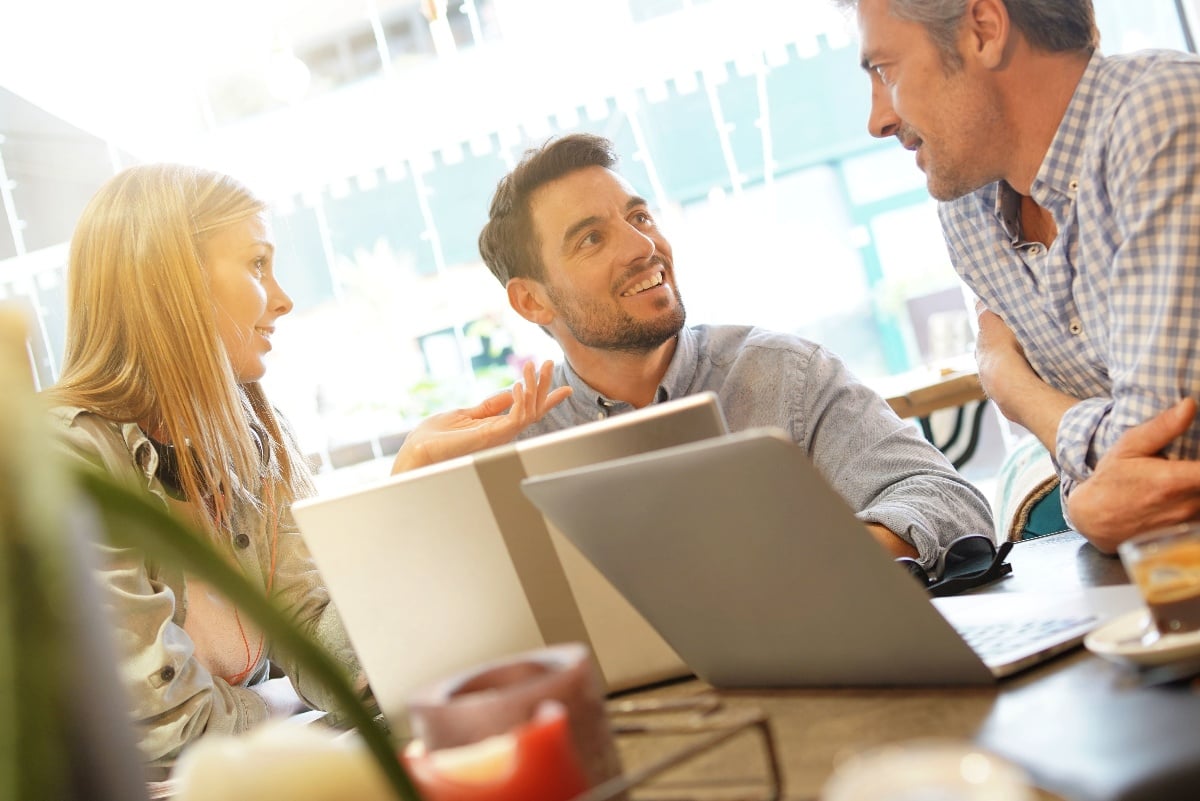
[(650, 337), (673, 324), (943, 191)]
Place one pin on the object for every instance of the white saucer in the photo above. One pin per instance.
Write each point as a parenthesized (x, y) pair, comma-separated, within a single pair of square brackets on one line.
[(1121, 641)]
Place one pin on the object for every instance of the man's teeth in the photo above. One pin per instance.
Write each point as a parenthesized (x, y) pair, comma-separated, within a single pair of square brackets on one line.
[(649, 283)]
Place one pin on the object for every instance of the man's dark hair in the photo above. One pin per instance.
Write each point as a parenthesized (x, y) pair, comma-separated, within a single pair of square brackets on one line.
[(507, 243)]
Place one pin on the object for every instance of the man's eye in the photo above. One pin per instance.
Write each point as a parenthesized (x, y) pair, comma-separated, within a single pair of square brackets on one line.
[(591, 239)]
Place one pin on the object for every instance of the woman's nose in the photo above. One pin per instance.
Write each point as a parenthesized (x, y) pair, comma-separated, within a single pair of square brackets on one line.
[(281, 301)]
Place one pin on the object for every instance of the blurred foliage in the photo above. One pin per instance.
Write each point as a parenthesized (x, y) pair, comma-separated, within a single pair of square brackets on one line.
[(50, 506)]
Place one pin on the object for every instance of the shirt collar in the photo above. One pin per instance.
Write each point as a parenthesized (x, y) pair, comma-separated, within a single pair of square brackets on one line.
[(1060, 169), (1058, 177), (681, 372), (140, 448), (1008, 211), (678, 377)]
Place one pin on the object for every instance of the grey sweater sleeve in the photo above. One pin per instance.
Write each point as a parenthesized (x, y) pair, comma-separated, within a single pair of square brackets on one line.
[(882, 465)]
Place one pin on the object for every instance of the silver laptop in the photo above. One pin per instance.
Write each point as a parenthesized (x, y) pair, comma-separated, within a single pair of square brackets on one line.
[(438, 569), (758, 574)]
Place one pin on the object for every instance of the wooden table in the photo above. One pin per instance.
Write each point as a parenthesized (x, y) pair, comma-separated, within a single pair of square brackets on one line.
[(1082, 726), (921, 393), (955, 385)]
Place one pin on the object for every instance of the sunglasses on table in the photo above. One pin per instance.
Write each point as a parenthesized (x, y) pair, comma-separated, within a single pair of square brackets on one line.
[(968, 562)]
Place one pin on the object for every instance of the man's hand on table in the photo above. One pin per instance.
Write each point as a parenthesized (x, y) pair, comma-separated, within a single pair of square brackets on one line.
[(1135, 489)]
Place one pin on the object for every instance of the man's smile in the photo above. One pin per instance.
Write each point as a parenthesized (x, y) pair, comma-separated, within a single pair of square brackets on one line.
[(649, 283)]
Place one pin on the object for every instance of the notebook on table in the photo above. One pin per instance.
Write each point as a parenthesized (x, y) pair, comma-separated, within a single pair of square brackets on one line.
[(758, 574), (438, 569)]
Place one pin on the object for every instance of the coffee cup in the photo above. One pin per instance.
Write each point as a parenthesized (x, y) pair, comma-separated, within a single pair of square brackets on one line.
[(1165, 566)]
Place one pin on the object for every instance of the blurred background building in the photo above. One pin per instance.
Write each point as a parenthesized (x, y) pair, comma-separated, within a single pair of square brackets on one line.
[(377, 129)]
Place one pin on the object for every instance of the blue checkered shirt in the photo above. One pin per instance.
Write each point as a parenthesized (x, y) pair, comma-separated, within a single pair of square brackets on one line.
[(1109, 313)]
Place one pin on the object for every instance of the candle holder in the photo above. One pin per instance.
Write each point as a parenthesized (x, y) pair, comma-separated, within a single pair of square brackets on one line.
[(664, 744), (532, 725), (705, 727)]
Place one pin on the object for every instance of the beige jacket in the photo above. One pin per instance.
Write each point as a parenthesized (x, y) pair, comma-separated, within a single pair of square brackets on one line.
[(174, 699)]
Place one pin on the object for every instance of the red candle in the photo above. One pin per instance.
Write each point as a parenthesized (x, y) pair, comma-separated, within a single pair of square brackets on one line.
[(535, 761), (505, 697)]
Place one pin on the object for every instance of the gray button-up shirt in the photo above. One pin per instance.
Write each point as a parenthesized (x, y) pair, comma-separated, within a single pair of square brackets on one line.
[(881, 465)]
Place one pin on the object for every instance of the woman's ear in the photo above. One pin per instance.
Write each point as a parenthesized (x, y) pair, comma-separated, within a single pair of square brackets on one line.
[(528, 299)]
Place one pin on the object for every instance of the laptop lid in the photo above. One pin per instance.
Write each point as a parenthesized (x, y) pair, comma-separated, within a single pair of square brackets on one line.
[(441, 568), (756, 571)]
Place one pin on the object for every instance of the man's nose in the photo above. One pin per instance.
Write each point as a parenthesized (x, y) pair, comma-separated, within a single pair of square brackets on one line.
[(883, 120), (639, 244)]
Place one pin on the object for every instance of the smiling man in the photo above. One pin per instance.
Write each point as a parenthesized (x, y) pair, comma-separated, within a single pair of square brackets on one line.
[(582, 256), (1070, 198)]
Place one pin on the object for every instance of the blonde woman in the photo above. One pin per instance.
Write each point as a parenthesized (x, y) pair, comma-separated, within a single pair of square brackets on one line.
[(172, 302)]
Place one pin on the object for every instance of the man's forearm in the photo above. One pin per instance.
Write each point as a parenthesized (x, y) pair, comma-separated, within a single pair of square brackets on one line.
[(1035, 405), (1012, 383), (1133, 488), (891, 541)]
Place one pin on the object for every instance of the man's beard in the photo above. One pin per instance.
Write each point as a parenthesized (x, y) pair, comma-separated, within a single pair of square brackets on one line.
[(605, 329)]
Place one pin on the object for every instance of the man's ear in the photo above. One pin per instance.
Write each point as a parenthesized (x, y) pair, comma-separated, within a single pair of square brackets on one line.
[(529, 299), (988, 29)]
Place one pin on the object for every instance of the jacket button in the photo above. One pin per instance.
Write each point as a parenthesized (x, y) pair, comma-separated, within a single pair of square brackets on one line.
[(167, 673), (242, 541)]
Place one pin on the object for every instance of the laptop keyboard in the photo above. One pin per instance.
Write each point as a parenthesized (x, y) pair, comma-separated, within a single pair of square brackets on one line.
[(995, 639)]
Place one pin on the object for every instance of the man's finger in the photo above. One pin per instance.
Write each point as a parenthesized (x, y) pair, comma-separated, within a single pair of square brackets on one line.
[(496, 404), (1158, 432), (555, 397)]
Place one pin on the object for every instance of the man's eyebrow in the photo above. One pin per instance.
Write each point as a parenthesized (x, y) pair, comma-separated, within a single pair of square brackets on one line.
[(574, 230), (631, 204)]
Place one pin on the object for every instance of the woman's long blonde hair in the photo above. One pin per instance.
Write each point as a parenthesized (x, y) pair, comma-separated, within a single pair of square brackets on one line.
[(142, 339)]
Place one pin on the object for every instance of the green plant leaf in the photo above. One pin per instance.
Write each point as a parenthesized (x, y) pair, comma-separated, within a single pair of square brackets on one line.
[(133, 522), (34, 502), (40, 502)]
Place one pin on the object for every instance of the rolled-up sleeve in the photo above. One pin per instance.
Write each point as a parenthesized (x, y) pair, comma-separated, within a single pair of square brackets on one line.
[(881, 465)]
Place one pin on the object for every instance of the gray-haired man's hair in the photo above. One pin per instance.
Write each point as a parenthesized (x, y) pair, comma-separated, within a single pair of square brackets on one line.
[(1055, 26)]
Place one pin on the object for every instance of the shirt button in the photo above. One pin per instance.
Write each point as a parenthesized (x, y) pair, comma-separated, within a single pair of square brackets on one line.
[(1075, 327), (242, 541), (167, 673), (1036, 250), (1073, 186)]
